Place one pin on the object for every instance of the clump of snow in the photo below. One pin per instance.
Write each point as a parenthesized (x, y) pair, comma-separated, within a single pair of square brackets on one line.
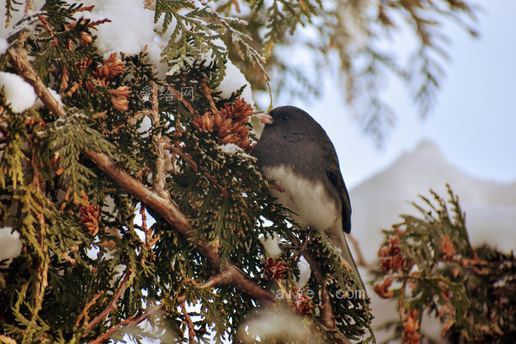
[(271, 246), (276, 325), (304, 273), (231, 148), (108, 205), (145, 126), (10, 245), (18, 94), (131, 30), (3, 46), (233, 80)]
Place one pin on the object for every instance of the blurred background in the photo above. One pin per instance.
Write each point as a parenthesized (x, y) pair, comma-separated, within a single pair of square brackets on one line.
[(464, 134)]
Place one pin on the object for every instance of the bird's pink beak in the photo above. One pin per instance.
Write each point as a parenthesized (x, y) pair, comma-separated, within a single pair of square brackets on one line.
[(265, 118)]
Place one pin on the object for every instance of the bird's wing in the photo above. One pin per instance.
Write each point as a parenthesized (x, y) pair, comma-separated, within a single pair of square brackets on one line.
[(335, 177)]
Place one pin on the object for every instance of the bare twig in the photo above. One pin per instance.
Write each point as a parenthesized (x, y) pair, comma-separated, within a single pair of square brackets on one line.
[(182, 99), (360, 260), (91, 303), (160, 175), (127, 322), (112, 305), (207, 93), (189, 324), (327, 317)]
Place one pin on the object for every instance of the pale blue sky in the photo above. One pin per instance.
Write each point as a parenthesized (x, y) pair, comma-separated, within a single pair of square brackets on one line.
[(474, 121)]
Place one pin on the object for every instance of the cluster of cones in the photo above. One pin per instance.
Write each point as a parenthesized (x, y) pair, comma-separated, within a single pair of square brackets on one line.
[(89, 214), (110, 68), (390, 254), (230, 124)]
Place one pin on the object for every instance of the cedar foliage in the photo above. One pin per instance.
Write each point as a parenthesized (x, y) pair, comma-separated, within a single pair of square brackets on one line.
[(122, 226), (428, 265)]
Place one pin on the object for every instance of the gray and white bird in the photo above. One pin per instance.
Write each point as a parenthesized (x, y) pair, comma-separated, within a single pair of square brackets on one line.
[(297, 156)]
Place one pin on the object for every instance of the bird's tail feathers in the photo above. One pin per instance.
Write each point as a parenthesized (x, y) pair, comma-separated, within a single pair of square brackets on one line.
[(346, 254)]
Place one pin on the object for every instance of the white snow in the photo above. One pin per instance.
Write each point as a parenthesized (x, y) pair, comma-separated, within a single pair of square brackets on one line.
[(274, 324), (271, 246), (145, 126), (10, 245), (304, 272), (3, 46), (19, 95), (377, 203), (233, 80), (131, 30), (231, 148)]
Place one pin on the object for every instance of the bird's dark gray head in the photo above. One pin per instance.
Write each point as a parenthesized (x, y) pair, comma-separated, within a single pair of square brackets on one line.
[(291, 121)]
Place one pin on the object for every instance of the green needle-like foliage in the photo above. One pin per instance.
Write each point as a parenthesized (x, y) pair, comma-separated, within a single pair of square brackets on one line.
[(428, 265), (160, 236)]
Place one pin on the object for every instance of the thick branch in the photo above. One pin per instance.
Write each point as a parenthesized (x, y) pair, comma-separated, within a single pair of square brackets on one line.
[(20, 61)]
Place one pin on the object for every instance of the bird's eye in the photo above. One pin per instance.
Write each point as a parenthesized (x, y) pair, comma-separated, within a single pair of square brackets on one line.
[(285, 118)]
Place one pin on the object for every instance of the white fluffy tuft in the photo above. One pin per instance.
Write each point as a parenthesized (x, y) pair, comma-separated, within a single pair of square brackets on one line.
[(18, 94), (3, 46), (271, 246), (276, 325), (233, 80), (10, 245)]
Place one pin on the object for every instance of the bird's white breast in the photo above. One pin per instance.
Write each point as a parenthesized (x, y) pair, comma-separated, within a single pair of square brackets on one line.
[(307, 198)]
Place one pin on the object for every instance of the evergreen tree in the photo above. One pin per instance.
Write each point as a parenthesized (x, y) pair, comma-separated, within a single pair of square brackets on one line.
[(428, 265), (128, 180)]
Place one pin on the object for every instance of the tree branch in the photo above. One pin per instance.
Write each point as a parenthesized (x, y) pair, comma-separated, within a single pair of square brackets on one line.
[(127, 322), (112, 305), (207, 93), (182, 99), (189, 324), (163, 207), (360, 260), (159, 176)]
